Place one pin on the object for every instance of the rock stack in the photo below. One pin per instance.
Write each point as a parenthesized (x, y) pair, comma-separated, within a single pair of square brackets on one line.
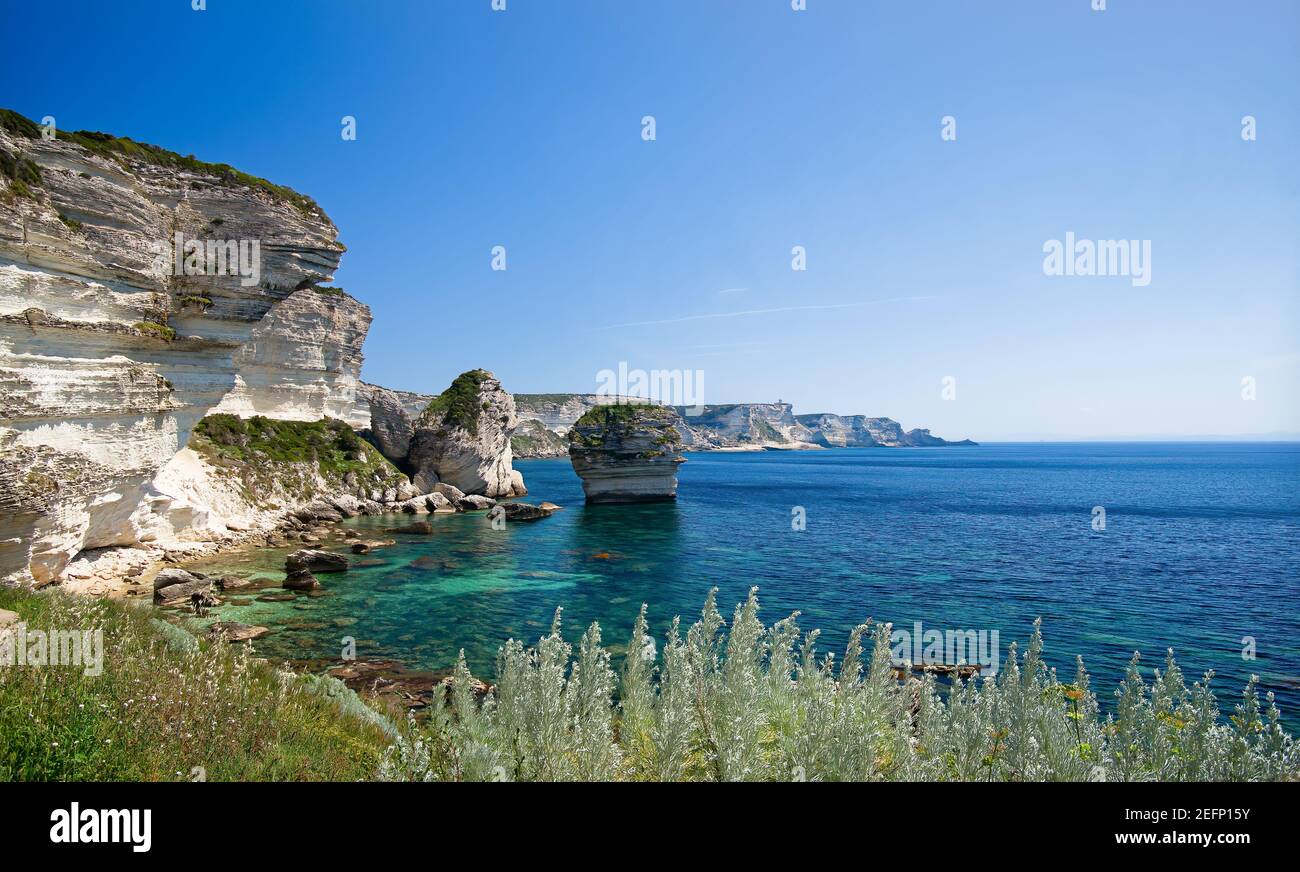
[(627, 453)]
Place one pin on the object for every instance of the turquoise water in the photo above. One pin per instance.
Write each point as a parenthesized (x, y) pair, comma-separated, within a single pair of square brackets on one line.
[(1199, 550)]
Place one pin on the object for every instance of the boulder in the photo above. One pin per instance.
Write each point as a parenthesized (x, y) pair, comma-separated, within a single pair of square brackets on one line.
[(449, 492), (463, 438), (436, 502), (299, 579), (406, 491), (317, 561), (415, 506), (474, 503), (232, 582), (550, 507), (176, 586), (523, 512), (347, 505)]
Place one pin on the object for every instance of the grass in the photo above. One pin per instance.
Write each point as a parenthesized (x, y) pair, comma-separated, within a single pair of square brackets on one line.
[(459, 404), (168, 707)]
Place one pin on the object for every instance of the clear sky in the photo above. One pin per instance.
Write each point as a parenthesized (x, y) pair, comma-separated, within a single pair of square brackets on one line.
[(775, 128)]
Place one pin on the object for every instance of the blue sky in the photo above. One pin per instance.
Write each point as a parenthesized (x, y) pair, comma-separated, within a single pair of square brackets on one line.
[(775, 128)]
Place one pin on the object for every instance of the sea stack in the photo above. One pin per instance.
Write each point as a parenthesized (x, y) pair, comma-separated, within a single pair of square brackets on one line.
[(463, 439), (627, 453)]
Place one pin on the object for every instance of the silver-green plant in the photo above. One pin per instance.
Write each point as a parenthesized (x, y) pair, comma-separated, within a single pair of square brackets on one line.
[(751, 702)]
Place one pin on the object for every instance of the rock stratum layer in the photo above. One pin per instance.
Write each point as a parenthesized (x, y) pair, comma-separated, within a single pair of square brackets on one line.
[(627, 453), (108, 358)]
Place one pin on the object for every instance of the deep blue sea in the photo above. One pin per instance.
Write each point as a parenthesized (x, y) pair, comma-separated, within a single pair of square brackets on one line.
[(1201, 548)]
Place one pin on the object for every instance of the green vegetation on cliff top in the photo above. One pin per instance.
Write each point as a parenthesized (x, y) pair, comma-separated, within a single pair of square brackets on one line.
[(620, 413), (268, 453), (121, 148), (459, 404)]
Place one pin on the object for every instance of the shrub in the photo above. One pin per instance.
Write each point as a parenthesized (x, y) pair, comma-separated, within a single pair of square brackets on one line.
[(158, 331), (166, 703), (760, 703), (265, 452), (458, 405)]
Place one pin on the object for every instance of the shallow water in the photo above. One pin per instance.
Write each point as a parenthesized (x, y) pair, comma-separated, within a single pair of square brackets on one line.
[(1199, 551)]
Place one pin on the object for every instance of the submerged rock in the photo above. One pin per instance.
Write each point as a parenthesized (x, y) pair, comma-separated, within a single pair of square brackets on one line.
[(233, 631), (368, 545), (627, 453), (413, 529), (300, 579)]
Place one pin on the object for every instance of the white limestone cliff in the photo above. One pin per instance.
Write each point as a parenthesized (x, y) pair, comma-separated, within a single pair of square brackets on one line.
[(108, 359)]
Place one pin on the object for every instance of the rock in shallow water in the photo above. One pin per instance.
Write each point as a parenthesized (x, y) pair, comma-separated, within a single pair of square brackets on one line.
[(319, 561), (523, 511), (233, 631)]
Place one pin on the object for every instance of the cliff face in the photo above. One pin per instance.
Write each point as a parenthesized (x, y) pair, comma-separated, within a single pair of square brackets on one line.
[(733, 426), (859, 431), (108, 358)]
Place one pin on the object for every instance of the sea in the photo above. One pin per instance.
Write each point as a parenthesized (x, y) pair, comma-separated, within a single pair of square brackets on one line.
[(1116, 547)]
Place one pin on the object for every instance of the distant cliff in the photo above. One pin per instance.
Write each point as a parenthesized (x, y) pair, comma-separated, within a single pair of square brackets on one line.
[(728, 427)]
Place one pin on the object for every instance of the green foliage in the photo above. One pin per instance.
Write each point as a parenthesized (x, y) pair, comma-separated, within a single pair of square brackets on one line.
[(194, 300), (766, 431), (21, 172), (19, 125), (613, 414), (265, 451), (166, 703), (760, 703), (329, 291), (72, 223), (159, 331), (459, 404)]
